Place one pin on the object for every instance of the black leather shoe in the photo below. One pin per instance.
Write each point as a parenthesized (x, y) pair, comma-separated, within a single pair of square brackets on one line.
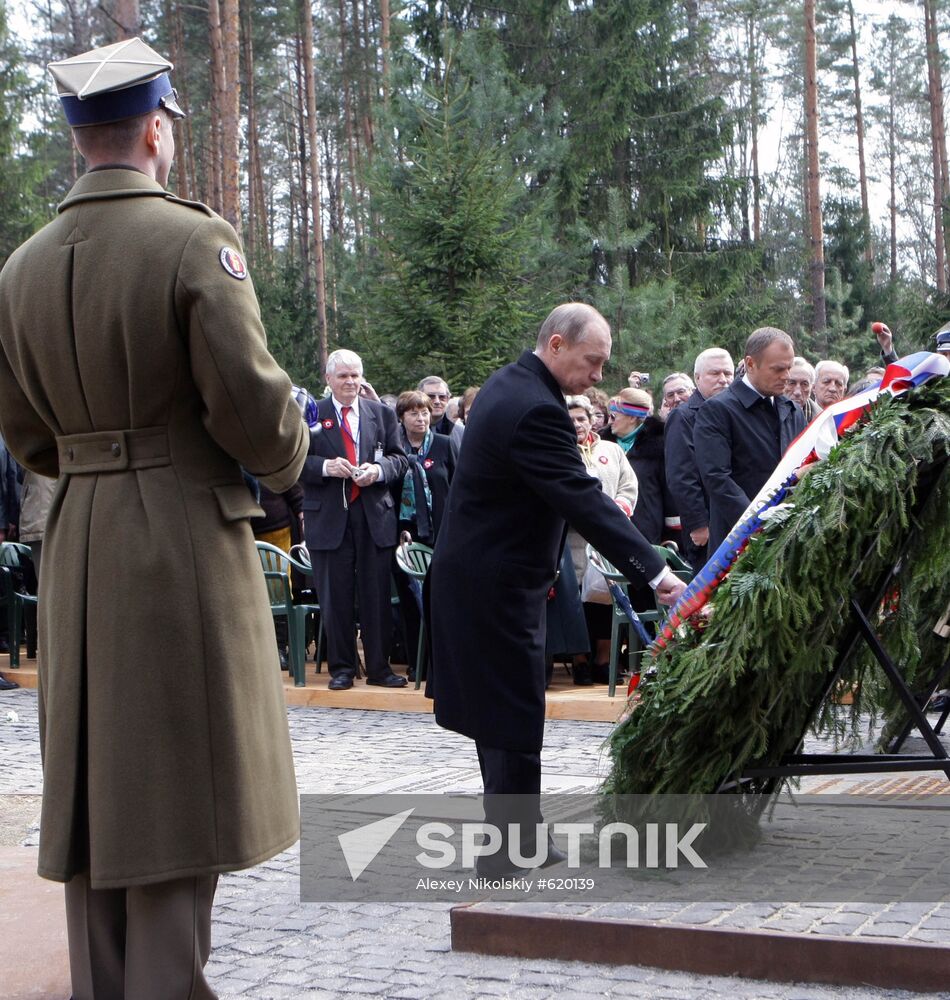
[(555, 855), (582, 677), (389, 681), (340, 682), (6, 685), (600, 673)]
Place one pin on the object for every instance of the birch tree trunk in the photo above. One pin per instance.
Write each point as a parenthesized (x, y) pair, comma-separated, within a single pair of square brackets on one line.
[(384, 45), (348, 121), (817, 264), (859, 125), (186, 173), (231, 114), (300, 143), (892, 158), (257, 228), (938, 141), (215, 181), (754, 124), (316, 215)]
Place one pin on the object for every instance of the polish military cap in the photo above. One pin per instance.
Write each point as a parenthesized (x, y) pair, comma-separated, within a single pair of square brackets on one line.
[(942, 337), (113, 83)]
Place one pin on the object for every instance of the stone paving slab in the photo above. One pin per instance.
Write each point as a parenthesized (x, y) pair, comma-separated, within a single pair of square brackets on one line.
[(267, 944)]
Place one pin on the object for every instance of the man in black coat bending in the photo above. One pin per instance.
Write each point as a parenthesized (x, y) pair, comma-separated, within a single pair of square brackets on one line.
[(519, 478)]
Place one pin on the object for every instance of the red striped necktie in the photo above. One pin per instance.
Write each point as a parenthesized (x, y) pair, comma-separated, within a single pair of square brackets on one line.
[(349, 446)]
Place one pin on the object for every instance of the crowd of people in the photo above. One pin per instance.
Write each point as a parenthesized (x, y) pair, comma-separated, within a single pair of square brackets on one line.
[(683, 471)]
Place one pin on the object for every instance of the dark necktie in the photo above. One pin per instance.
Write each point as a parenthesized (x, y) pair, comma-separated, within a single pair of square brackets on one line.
[(349, 446)]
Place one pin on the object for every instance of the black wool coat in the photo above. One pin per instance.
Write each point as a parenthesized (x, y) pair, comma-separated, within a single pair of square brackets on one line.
[(519, 478), (682, 471), (655, 513), (739, 439)]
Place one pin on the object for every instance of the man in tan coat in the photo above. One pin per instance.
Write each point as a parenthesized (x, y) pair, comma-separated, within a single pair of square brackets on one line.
[(133, 366)]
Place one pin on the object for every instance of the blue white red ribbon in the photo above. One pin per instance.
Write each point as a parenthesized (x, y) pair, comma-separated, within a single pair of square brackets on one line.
[(813, 444)]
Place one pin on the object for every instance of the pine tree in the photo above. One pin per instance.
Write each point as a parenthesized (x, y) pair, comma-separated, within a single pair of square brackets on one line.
[(449, 289)]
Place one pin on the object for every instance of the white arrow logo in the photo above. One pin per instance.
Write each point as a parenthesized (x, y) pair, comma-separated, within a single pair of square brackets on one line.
[(361, 846)]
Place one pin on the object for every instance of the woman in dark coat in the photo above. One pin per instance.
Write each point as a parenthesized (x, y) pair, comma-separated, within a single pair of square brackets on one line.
[(640, 434), (420, 495)]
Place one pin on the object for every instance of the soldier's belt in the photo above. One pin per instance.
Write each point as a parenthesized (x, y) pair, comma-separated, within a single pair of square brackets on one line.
[(113, 451)]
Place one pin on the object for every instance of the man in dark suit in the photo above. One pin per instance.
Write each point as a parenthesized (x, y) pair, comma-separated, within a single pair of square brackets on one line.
[(714, 372), (351, 521), (519, 478), (741, 434)]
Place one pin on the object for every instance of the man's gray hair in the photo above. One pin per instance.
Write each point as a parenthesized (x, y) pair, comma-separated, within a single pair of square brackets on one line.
[(343, 358), (765, 336), (827, 363), (429, 379), (705, 357), (580, 403), (798, 362), (571, 320), (673, 375)]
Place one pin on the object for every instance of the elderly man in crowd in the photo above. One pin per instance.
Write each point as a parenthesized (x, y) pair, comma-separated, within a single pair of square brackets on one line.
[(677, 387), (831, 383), (742, 433), (799, 386), (354, 455), (437, 390), (713, 371)]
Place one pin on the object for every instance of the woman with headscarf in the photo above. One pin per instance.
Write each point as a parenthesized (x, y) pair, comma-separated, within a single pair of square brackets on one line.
[(606, 462)]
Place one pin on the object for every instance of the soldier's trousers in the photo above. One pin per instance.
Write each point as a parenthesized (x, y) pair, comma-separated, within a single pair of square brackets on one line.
[(148, 942)]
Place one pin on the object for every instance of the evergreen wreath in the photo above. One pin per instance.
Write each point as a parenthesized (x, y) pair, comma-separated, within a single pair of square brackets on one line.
[(741, 690)]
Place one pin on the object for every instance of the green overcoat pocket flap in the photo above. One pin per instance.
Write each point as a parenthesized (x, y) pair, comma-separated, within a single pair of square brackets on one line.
[(235, 501)]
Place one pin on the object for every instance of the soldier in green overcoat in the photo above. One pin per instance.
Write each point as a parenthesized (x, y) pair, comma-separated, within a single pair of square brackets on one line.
[(133, 367)]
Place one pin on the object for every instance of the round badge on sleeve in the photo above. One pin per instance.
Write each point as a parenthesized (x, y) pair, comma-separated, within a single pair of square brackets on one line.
[(603, 459), (233, 263)]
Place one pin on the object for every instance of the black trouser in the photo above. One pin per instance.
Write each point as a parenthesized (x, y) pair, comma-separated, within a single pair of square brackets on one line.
[(356, 566), (512, 783)]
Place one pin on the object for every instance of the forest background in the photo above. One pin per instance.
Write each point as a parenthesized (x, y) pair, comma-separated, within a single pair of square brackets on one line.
[(421, 182)]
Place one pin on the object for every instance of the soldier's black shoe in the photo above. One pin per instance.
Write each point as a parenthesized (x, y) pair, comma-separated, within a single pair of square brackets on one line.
[(340, 682), (6, 685)]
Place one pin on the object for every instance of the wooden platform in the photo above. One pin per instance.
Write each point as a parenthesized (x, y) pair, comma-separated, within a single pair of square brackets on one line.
[(564, 701)]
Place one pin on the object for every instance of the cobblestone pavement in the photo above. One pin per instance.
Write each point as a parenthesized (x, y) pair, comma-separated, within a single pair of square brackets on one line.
[(267, 944)]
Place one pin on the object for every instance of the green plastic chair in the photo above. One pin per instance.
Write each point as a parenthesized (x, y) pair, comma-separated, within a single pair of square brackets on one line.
[(413, 559), (619, 620), (276, 565), (15, 556)]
